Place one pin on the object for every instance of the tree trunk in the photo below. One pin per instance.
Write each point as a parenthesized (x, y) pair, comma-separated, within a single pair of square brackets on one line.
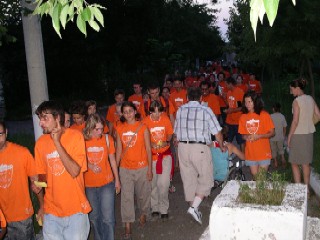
[(35, 63)]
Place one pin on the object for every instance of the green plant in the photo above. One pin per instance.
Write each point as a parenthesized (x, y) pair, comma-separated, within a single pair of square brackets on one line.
[(269, 189)]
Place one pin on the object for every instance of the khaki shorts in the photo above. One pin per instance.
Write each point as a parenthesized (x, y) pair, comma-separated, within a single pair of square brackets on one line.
[(196, 169)]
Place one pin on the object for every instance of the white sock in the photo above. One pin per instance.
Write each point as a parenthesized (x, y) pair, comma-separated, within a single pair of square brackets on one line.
[(196, 202)]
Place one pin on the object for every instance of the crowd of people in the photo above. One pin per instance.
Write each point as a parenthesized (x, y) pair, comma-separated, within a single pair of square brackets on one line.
[(78, 168)]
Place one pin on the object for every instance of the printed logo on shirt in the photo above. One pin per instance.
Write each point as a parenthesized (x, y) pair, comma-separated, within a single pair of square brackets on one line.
[(178, 101), (54, 163), (6, 175), (252, 126), (28, 210), (141, 164), (252, 86), (95, 154), (232, 101), (85, 205), (157, 133), (137, 104), (126, 138)]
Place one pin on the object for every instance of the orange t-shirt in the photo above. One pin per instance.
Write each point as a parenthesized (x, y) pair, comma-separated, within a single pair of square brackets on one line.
[(189, 81), (97, 154), (163, 102), (252, 123), (3, 222), (139, 103), (254, 85), (112, 113), (233, 97), (246, 78), (78, 127), (16, 165), (135, 156), (223, 88), (211, 101), (64, 195), (178, 98), (243, 86), (159, 131)]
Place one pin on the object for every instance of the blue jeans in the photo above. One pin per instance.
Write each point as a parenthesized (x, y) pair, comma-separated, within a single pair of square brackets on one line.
[(75, 227), (102, 215), (20, 230)]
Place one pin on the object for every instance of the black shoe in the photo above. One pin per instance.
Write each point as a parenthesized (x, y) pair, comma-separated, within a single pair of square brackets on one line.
[(164, 216), (155, 214)]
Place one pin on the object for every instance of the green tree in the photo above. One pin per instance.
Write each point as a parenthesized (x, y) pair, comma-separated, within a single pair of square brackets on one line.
[(291, 43)]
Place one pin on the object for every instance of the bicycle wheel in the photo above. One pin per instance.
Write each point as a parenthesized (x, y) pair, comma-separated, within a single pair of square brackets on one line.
[(232, 174)]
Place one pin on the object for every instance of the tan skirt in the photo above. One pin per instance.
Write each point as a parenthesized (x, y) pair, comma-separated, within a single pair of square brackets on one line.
[(301, 148)]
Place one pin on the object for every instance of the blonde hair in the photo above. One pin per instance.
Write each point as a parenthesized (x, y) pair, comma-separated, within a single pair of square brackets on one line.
[(91, 123)]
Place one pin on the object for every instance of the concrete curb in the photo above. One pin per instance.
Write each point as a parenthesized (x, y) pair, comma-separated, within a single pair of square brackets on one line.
[(315, 182)]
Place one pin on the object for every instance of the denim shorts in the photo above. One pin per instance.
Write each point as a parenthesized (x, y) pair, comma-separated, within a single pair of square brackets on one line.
[(75, 227), (257, 163)]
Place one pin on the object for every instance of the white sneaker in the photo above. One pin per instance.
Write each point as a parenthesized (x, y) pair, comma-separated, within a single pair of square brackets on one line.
[(196, 214)]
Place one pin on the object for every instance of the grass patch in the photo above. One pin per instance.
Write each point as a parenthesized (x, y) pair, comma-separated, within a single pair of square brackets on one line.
[(266, 192)]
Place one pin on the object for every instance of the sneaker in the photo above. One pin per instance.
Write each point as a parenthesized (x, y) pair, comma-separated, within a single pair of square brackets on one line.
[(164, 217), (155, 214), (196, 214)]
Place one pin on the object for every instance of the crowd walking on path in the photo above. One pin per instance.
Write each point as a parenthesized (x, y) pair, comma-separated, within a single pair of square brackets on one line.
[(83, 159)]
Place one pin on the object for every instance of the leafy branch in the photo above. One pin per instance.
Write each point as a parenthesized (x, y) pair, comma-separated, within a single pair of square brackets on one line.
[(64, 11), (258, 8)]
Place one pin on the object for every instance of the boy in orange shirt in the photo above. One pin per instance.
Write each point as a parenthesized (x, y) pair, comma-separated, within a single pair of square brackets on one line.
[(78, 113), (17, 166), (61, 161), (179, 96), (137, 98), (208, 99), (234, 100)]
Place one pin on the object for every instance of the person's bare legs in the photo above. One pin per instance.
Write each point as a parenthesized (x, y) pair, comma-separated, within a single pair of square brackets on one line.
[(254, 171), (306, 176), (296, 173), (127, 230), (283, 160)]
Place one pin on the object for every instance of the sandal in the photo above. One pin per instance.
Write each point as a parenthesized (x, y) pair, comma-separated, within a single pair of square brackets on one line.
[(127, 236), (142, 220)]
